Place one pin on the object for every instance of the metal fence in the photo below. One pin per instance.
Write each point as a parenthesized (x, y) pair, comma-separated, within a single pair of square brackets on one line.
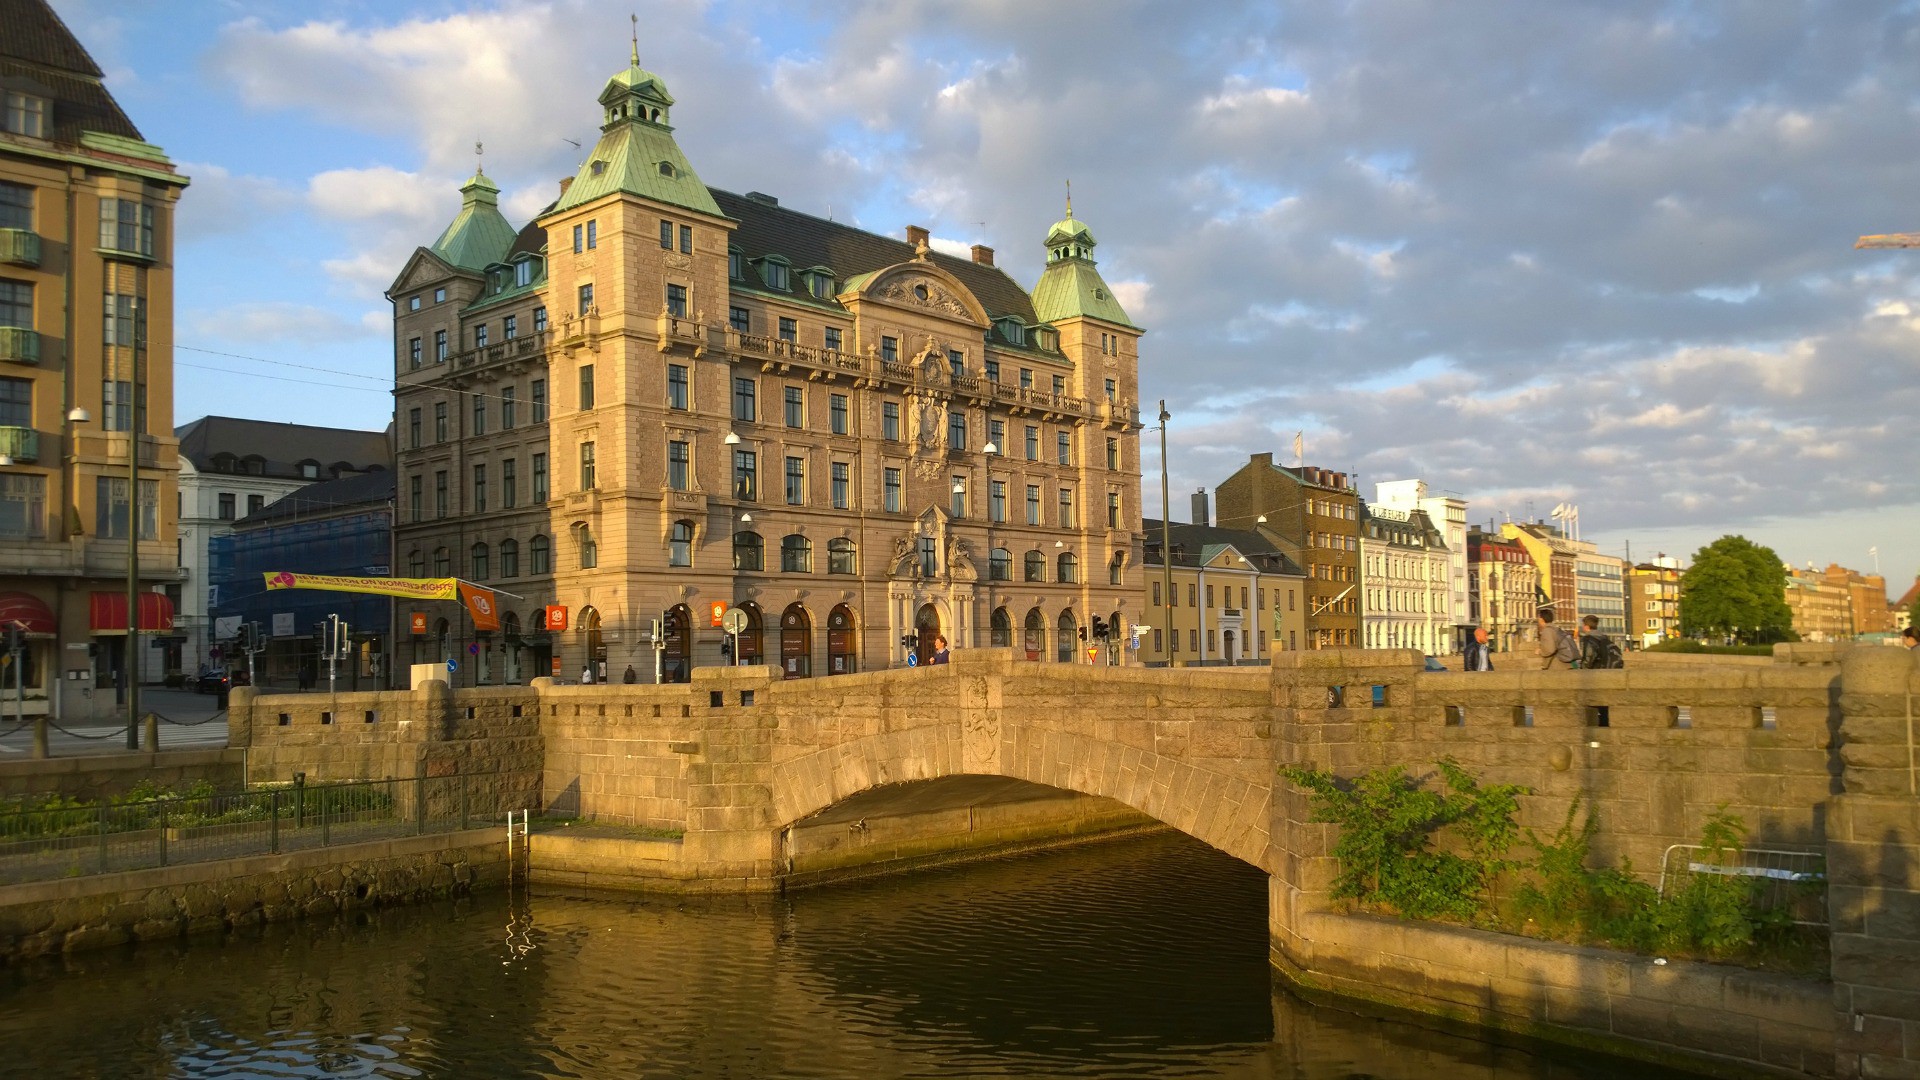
[(73, 841), (1782, 878)]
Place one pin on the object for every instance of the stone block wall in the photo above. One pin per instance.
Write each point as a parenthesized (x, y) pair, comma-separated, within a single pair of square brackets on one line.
[(103, 776)]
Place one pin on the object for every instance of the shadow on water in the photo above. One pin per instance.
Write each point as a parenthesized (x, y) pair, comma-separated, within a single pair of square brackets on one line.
[(1139, 958)]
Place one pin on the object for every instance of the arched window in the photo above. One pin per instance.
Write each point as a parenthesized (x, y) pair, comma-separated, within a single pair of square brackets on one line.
[(840, 556), (477, 562), (680, 544), (442, 562), (510, 626), (1000, 565), (1117, 568), (540, 556), (796, 554), (589, 547), (509, 558), (1036, 566), (1002, 629), (1067, 637), (747, 549), (416, 563), (310, 469), (1069, 568)]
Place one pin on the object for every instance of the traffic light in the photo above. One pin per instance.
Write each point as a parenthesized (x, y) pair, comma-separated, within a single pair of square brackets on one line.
[(726, 647), (909, 641), (1100, 629), (1083, 633)]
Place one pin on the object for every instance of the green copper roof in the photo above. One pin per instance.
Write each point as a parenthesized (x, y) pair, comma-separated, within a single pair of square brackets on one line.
[(1071, 288), (478, 235), (636, 153), (1069, 228)]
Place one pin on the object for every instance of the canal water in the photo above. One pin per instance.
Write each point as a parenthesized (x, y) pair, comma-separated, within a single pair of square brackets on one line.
[(1138, 958)]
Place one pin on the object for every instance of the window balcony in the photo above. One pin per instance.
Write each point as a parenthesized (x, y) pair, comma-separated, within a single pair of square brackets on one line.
[(19, 345), (22, 444), (19, 247)]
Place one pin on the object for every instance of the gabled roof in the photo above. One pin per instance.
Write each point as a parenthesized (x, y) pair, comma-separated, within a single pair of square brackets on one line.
[(36, 47), (478, 234), (1197, 545), (282, 446), (805, 241)]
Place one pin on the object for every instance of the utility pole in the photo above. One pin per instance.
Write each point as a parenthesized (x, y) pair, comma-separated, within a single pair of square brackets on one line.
[(1166, 532), (132, 665)]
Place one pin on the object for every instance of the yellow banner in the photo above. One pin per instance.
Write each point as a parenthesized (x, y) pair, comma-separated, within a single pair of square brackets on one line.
[(414, 588)]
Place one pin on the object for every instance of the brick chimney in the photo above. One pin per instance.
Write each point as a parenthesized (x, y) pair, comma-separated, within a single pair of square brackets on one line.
[(916, 235), (565, 183), (983, 254)]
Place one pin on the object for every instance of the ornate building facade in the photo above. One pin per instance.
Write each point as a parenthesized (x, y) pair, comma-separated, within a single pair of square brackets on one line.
[(1313, 515), (1406, 571), (660, 402)]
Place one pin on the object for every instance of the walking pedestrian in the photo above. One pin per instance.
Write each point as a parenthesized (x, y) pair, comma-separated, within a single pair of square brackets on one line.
[(1479, 655), (1555, 647)]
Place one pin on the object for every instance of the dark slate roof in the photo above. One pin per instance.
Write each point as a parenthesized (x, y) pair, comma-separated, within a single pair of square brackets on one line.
[(37, 49), (1190, 541), (283, 446), (805, 241), (325, 499), (531, 238)]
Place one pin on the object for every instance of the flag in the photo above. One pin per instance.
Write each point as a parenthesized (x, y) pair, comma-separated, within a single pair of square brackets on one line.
[(1299, 447), (479, 603)]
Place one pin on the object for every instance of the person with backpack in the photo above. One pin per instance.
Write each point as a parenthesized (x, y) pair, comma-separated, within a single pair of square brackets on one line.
[(1597, 650), (1555, 647)]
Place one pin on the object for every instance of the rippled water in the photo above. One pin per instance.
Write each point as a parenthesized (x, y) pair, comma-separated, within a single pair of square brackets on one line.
[(1139, 958)]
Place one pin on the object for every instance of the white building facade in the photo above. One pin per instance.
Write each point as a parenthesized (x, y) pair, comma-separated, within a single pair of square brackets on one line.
[(1448, 514), (1406, 575)]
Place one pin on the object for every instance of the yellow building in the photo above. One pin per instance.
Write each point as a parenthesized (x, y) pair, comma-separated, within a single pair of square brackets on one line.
[(1235, 598), (1822, 607), (660, 402), (1653, 601), (86, 227)]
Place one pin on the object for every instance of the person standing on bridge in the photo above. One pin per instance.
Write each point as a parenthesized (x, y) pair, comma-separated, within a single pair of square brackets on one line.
[(1556, 647), (1479, 655), (939, 650)]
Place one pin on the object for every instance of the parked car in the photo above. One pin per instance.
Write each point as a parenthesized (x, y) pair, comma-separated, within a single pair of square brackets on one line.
[(213, 680)]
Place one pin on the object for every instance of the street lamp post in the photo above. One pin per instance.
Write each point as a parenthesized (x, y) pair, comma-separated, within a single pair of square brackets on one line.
[(1166, 533), (132, 665)]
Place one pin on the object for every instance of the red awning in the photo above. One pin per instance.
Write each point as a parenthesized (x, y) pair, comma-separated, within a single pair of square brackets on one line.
[(107, 612), (30, 612)]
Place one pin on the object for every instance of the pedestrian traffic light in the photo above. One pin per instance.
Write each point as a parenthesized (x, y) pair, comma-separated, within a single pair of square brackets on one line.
[(726, 647), (909, 641), (1083, 633), (1100, 629)]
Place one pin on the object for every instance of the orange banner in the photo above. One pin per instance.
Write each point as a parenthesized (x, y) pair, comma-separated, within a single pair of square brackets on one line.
[(479, 603), (556, 617)]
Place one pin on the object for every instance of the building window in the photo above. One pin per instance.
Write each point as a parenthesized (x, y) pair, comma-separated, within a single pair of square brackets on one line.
[(740, 319), (956, 363), (677, 462), (578, 238), (509, 325), (795, 407), (1069, 568), (747, 551), (586, 299), (124, 320), (891, 493), (842, 486), (1113, 453), (540, 319), (680, 544), (509, 485), (586, 466), (439, 346), (775, 274), (1000, 565), (439, 421), (509, 558), (413, 428), (126, 225), (676, 386), (736, 265), (1033, 443), (1059, 384), (477, 560), (929, 557), (480, 336), (686, 239), (1034, 567), (506, 408), (996, 501), (416, 502), (832, 338), (677, 301), (416, 563), (589, 548), (479, 488), (1026, 378), (837, 413), (539, 401), (593, 235), (796, 554), (993, 371), (796, 481), (743, 400), (227, 503), (586, 386), (479, 415), (1063, 448), (746, 475), (1033, 504), (413, 352), (666, 235), (440, 494), (118, 407), (16, 206), (1066, 508), (540, 556), (957, 430), (1113, 509), (413, 303), (958, 494), (789, 330), (840, 556), (442, 562), (890, 349), (26, 114), (890, 421)]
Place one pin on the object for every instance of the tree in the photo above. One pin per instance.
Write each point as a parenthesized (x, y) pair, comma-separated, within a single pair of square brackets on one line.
[(1736, 587)]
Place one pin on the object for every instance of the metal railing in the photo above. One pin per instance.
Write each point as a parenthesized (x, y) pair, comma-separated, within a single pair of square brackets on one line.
[(74, 841), (1782, 878)]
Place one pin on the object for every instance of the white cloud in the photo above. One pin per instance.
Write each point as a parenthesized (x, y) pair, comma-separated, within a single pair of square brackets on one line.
[(281, 323), (408, 198)]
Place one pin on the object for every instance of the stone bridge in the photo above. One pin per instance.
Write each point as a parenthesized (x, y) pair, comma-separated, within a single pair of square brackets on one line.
[(1814, 754)]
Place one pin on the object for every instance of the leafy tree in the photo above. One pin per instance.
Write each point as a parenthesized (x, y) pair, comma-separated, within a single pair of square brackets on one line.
[(1736, 587)]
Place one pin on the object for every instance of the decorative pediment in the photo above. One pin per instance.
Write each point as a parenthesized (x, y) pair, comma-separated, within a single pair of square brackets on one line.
[(926, 286), (423, 269)]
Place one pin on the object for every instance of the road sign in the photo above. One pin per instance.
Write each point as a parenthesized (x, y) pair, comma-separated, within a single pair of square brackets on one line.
[(913, 660), (734, 621), (473, 650), (453, 665)]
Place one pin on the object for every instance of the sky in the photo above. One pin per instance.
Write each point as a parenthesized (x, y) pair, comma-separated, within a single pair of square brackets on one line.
[(1597, 253)]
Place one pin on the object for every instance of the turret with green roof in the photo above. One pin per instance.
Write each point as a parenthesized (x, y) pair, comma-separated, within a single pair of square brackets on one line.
[(478, 236), (1071, 287), (636, 153)]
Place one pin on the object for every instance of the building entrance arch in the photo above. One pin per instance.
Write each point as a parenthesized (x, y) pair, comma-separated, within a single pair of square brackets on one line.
[(676, 633), (751, 647), (843, 645), (926, 627), (596, 644), (796, 642)]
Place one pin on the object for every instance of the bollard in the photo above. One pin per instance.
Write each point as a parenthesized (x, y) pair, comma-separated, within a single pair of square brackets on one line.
[(152, 734), (40, 737), (300, 800)]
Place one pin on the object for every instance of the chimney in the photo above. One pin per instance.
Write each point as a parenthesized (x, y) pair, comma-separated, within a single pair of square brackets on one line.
[(916, 235), (983, 254), (762, 198), (1201, 515), (565, 183)]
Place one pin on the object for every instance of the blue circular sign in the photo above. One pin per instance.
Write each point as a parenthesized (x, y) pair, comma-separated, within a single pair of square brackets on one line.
[(913, 660), (452, 666)]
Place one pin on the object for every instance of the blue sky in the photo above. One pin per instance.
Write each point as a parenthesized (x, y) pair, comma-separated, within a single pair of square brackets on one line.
[(1587, 252)]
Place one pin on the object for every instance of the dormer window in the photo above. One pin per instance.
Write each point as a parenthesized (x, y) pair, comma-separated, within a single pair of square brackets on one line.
[(1046, 339), (820, 283), (310, 470), (667, 170), (523, 272), (1012, 331), (26, 114), (225, 463), (736, 265), (774, 271), (597, 167)]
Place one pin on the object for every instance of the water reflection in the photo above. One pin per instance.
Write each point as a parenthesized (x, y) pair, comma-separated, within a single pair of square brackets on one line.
[(1144, 958)]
